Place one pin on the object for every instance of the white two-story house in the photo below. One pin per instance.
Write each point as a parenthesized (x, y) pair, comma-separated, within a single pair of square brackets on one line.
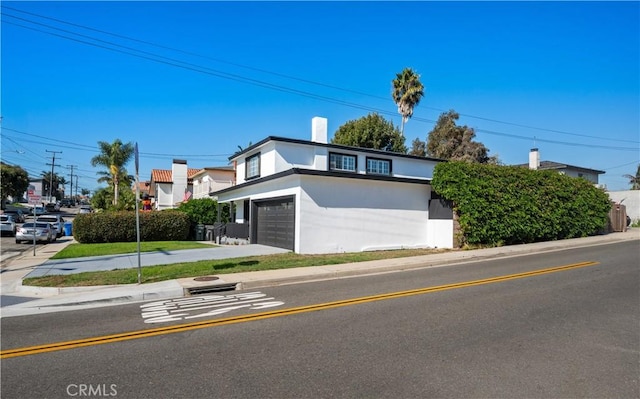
[(314, 197)]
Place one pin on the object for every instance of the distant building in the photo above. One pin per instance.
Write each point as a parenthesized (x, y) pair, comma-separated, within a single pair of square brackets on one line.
[(169, 188), (569, 170), (210, 179)]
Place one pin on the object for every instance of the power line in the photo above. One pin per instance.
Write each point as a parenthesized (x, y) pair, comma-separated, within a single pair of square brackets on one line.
[(239, 78), (623, 165), (84, 147)]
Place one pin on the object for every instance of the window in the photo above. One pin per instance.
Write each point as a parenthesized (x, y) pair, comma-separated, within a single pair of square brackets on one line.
[(342, 162), (252, 166), (378, 166)]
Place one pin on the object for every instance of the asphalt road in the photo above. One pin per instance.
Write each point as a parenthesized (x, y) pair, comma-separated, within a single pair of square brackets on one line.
[(516, 327)]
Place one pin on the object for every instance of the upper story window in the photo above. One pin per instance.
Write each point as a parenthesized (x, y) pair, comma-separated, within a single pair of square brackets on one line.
[(342, 162), (378, 166), (252, 167)]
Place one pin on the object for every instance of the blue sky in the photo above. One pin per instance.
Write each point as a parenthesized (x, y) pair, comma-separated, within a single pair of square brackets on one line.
[(195, 80)]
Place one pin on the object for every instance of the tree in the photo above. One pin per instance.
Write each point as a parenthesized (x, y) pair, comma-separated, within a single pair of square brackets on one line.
[(56, 181), (14, 181), (452, 142), (103, 199), (59, 189), (371, 131), (114, 157), (122, 175), (406, 92), (634, 181), (418, 148)]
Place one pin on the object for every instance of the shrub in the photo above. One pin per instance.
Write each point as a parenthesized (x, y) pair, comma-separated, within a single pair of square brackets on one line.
[(499, 205), (168, 225), (204, 211)]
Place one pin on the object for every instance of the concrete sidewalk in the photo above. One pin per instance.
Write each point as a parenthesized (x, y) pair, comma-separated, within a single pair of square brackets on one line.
[(23, 300)]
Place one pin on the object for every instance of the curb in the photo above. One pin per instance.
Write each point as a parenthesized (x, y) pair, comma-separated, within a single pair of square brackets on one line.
[(71, 298)]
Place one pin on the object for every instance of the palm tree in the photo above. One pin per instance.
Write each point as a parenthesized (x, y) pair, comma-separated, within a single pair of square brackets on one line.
[(54, 180), (634, 180), (122, 177), (113, 156), (406, 93)]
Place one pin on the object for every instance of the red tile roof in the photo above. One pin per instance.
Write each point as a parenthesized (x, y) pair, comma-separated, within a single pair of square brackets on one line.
[(166, 176), (143, 187)]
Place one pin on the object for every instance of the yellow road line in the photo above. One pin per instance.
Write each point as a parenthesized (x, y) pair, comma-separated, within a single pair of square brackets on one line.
[(32, 350)]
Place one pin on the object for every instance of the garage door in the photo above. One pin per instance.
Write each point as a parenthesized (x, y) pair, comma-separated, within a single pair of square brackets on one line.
[(274, 222)]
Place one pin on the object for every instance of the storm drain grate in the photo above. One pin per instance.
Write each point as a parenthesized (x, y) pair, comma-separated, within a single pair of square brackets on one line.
[(211, 289)]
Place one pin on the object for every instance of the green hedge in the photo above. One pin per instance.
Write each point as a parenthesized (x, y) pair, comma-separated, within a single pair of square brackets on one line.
[(499, 205), (168, 225)]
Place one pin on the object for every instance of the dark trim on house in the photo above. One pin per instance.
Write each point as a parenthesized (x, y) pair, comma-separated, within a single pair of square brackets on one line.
[(337, 147), (323, 173), (366, 166), (246, 166), (440, 208), (355, 162), (551, 165)]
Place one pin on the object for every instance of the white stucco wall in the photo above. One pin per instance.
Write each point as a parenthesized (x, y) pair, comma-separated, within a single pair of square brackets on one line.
[(440, 233), (592, 177), (349, 215), (630, 199), (179, 175), (291, 155), (164, 196), (211, 180)]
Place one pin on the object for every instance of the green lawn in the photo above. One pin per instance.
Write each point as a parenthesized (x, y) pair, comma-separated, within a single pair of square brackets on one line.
[(152, 274), (81, 250)]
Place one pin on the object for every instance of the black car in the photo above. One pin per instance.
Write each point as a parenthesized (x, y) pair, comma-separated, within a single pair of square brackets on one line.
[(67, 203)]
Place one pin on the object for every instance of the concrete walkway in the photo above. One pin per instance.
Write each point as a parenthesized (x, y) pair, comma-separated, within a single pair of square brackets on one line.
[(18, 299)]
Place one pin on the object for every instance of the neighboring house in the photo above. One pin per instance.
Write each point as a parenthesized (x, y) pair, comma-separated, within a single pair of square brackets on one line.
[(210, 179), (314, 197), (569, 170), (143, 188), (171, 187)]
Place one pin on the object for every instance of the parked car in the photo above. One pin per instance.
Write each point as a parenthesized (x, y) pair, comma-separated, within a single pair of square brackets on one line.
[(43, 232), (56, 221), (85, 209), (52, 207), (67, 203), (38, 210), (8, 225), (17, 214)]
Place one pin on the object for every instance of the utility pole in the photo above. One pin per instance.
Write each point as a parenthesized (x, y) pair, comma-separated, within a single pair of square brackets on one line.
[(53, 164), (71, 188)]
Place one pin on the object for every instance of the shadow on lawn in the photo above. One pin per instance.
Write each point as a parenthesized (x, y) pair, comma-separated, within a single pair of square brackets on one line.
[(232, 265)]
